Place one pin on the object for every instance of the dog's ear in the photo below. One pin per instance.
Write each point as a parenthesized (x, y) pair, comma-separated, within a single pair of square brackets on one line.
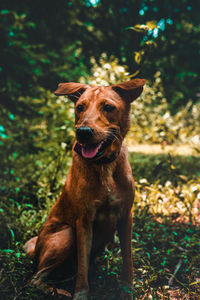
[(71, 89), (129, 90)]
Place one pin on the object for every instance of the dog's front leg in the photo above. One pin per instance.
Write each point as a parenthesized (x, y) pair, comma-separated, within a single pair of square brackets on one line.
[(125, 235), (84, 242)]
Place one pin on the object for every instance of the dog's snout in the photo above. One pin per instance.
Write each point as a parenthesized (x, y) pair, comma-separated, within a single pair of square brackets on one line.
[(84, 134)]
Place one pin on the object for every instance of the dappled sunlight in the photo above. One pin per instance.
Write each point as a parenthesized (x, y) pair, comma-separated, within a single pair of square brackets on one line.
[(101, 42)]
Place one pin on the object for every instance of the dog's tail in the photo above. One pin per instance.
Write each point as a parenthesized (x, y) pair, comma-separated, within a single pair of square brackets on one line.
[(29, 247)]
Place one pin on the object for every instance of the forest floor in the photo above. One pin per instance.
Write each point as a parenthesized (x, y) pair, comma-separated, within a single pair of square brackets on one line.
[(165, 241)]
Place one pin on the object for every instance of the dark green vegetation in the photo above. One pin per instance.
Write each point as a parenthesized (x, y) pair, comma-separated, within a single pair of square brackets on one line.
[(163, 243), (164, 167), (44, 43)]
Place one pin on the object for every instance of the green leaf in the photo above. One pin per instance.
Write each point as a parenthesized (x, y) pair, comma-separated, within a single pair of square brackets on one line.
[(2, 129), (12, 234), (194, 282), (28, 205), (15, 154), (7, 250), (4, 11)]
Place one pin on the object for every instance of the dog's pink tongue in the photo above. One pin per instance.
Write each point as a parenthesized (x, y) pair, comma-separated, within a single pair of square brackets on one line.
[(90, 152)]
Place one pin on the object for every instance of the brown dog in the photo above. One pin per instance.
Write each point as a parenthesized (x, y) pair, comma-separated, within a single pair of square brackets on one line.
[(99, 190)]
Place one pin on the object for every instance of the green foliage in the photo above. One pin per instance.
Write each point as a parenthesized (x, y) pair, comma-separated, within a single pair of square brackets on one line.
[(107, 71), (44, 44), (174, 27), (35, 52), (153, 122), (176, 54), (41, 144), (164, 167), (147, 43)]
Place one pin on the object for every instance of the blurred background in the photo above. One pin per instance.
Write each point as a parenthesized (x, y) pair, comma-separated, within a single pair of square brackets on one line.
[(103, 42)]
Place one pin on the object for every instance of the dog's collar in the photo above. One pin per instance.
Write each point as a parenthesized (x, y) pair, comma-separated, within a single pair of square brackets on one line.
[(107, 160), (102, 160)]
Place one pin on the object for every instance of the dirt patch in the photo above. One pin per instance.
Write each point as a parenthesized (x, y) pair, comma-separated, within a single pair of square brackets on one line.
[(183, 150)]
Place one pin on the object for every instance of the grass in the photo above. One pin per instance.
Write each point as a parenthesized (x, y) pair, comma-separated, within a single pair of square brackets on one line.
[(166, 245)]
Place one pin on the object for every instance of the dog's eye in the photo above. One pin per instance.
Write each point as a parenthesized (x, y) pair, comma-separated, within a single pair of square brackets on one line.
[(108, 107), (79, 108)]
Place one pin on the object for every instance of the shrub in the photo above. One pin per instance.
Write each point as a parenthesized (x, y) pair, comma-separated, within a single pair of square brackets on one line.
[(35, 156), (153, 122)]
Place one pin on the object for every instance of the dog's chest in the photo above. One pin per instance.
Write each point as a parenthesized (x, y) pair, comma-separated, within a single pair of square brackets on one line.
[(105, 222), (110, 196), (110, 209), (99, 195)]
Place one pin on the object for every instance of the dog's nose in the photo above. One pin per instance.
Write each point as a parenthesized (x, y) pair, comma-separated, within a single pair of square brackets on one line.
[(84, 134)]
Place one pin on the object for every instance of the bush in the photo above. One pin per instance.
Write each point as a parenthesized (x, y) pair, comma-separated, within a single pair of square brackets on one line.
[(107, 71), (35, 157), (153, 122)]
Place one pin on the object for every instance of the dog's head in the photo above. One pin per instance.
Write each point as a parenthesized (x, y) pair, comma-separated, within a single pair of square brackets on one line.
[(101, 116)]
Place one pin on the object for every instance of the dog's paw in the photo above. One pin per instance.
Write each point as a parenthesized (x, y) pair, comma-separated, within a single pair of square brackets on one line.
[(81, 295), (59, 293)]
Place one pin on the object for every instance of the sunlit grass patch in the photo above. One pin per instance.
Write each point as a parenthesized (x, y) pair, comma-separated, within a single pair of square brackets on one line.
[(181, 201)]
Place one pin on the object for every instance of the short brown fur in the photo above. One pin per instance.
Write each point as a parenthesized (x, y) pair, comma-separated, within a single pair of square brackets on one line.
[(97, 197)]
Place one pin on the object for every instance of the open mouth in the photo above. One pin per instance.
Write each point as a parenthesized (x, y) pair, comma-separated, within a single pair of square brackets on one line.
[(93, 151)]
